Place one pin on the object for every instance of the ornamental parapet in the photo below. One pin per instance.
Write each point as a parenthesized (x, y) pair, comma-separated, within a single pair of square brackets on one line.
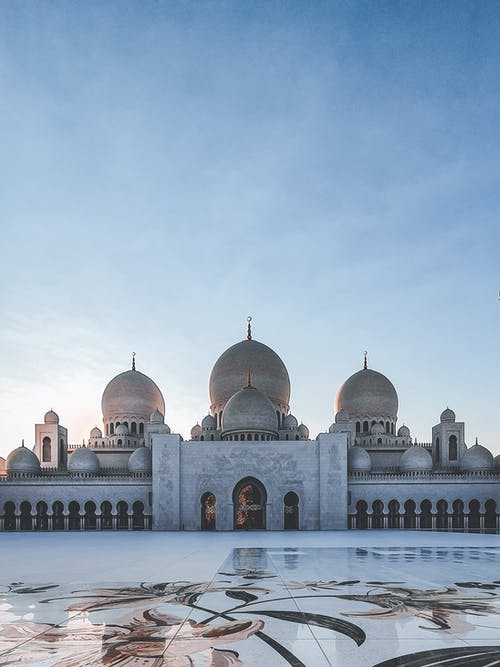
[(425, 474)]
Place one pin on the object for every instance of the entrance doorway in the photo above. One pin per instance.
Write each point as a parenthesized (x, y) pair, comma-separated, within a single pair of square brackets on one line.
[(249, 500)]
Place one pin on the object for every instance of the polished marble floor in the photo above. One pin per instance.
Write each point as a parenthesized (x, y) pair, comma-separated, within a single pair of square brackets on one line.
[(379, 599)]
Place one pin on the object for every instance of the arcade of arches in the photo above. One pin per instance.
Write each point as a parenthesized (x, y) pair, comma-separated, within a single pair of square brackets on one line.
[(74, 516), (454, 516)]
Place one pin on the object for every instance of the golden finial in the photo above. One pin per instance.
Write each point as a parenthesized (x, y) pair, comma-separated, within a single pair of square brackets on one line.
[(249, 329), (365, 362), (133, 361), (22, 442)]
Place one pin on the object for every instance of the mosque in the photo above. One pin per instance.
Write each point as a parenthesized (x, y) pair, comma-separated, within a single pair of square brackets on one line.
[(249, 464)]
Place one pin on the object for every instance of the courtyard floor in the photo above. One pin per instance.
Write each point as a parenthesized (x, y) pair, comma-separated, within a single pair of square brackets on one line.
[(367, 598)]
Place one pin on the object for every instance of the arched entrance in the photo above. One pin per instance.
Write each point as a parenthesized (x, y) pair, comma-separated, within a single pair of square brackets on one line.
[(249, 501), (208, 511), (291, 511)]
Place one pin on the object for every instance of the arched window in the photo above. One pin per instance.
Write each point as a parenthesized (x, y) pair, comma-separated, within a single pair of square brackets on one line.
[(138, 515), (442, 515), (377, 514), (393, 516), (392, 429), (74, 515), (409, 517), (46, 450), (291, 511), (452, 448), (490, 516), (457, 518), (120, 442), (365, 427), (208, 511), (387, 427), (57, 515), (249, 502), (133, 427), (106, 516), (373, 422), (25, 521), (474, 516), (361, 515), (426, 515), (141, 428), (438, 453), (41, 519), (90, 516), (62, 451), (117, 424), (111, 429), (278, 417), (122, 515), (9, 516), (126, 425), (379, 441), (358, 427), (106, 429), (220, 419)]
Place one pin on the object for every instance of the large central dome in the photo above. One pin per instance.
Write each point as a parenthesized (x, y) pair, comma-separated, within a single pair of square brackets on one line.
[(367, 394), (268, 374), (131, 394)]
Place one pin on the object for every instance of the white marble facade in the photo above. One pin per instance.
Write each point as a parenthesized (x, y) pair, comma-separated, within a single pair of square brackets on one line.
[(249, 463)]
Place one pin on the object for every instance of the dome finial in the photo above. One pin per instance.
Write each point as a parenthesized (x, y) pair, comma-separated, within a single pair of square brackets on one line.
[(477, 443), (133, 361), (22, 442), (249, 328), (365, 362)]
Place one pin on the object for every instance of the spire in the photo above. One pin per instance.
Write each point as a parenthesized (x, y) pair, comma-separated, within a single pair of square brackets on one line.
[(477, 443), (22, 442), (249, 328), (365, 363), (133, 361)]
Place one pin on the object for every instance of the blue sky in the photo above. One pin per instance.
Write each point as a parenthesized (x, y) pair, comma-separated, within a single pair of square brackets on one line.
[(169, 168)]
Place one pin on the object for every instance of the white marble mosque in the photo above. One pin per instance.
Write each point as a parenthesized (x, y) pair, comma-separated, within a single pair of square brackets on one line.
[(250, 464)]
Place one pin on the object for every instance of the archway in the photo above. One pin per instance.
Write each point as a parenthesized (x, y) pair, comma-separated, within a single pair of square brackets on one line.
[(9, 516), (361, 515), (291, 511), (26, 519), (138, 515), (249, 501), (42, 519), (208, 511), (90, 519)]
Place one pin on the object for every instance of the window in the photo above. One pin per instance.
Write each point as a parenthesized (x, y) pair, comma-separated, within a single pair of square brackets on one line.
[(46, 449), (452, 448)]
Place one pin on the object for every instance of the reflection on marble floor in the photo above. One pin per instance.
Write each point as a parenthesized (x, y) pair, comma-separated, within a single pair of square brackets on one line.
[(308, 607)]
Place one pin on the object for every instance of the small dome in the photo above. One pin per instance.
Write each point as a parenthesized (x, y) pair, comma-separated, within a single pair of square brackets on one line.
[(269, 374), (414, 459), (358, 459), (51, 417), (96, 432), (303, 431), (83, 459), (341, 416), (403, 431), (447, 415), (249, 409), (22, 460), (131, 394), (290, 421), (208, 423), (140, 460), (496, 462), (121, 430), (377, 429), (367, 393), (477, 457), (196, 431), (156, 417)]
